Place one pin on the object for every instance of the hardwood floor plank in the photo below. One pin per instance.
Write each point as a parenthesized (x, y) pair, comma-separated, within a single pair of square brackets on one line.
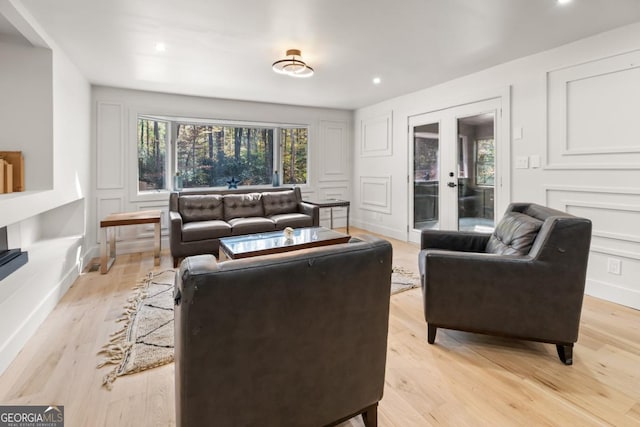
[(463, 379)]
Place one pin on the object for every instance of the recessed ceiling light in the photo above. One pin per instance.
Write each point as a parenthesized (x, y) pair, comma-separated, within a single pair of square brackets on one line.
[(161, 47), (564, 1), (377, 80)]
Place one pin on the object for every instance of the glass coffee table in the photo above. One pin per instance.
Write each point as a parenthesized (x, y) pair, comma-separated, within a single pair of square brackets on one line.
[(274, 242)]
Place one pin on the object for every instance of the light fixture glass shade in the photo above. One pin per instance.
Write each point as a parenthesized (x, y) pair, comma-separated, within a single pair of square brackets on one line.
[(293, 65)]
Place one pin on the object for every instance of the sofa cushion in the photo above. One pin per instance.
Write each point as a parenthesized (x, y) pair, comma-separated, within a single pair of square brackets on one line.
[(203, 230), (201, 207), (251, 225), (242, 205), (514, 235), (280, 202), (293, 220)]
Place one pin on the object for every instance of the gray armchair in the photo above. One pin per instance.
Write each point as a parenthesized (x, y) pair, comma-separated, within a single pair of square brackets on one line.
[(294, 339), (526, 280)]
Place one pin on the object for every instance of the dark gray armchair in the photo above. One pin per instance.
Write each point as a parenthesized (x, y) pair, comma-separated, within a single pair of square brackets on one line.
[(294, 339), (526, 280)]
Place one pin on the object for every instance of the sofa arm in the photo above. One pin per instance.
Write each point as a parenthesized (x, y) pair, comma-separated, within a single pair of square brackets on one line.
[(175, 230), (454, 240), (311, 210)]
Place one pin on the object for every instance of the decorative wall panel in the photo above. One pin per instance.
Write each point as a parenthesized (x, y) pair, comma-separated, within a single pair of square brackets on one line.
[(592, 114), (106, 206), (376, 136), (334, 151), (109, 146), (375, 193)]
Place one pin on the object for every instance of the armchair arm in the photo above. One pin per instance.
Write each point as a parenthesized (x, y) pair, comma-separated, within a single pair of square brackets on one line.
[(311, 210), (463, 241)]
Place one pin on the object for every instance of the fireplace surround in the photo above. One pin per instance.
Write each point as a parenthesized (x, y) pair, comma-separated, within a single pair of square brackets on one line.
[(10, 259)]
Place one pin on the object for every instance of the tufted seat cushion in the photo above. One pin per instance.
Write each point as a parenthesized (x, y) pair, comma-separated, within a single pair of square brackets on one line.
[(293, 220), (514, 235), (242, 206), (200, 207), (281, 202)]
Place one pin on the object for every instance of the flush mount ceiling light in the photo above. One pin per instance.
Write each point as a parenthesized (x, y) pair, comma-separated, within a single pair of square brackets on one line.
[(293, 65)]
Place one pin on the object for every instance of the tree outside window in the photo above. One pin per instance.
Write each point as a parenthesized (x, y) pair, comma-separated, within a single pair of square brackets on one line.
[(152, 151), (209, 155), (485, 162)]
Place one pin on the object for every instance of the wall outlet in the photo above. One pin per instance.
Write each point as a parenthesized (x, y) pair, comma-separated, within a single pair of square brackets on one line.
[(614, 266)]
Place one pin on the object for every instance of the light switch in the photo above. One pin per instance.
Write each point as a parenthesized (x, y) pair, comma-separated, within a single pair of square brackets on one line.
[(522, 162), (534, 161), (517, 132)]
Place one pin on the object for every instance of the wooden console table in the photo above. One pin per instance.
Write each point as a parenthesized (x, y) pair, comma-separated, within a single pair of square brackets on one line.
[(108, 253)]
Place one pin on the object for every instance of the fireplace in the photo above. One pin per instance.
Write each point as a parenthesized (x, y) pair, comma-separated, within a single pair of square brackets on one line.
[(10, 259)]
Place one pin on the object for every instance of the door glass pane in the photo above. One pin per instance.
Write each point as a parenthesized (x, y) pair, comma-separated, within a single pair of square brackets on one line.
[(426, 147), (476, 173)]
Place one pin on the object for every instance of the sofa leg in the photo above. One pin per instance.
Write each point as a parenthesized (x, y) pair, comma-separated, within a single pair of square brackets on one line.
[(176, 261), (431, 333), (565, 352), (370, 416)]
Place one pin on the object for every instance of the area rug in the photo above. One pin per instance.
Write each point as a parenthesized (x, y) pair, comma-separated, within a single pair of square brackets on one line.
[(146, 339), (403, 280)]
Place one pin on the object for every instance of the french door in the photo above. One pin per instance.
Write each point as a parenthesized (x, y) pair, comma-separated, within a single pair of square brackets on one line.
[(453, 168)]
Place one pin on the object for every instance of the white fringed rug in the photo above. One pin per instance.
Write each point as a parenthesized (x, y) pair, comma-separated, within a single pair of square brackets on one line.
[(146, 339), (403, 280)]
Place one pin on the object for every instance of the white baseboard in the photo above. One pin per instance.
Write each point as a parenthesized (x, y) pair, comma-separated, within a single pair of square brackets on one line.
[(380, 229), (619, 295)]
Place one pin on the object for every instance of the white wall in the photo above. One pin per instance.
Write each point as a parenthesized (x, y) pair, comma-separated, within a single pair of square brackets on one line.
[(590, 156), (115, 182), (47, 116)]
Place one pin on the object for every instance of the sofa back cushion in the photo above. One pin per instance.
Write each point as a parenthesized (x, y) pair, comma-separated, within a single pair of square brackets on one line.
[(201, 207), (514, 235), (280, 202), (242, 205)]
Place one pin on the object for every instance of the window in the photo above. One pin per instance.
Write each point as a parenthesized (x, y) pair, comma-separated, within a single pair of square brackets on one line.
[(152, 153), (210, 154), (294, 143), (485, 162)]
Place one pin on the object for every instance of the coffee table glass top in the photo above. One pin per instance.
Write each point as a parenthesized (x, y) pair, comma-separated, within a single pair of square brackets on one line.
[(275, 241)]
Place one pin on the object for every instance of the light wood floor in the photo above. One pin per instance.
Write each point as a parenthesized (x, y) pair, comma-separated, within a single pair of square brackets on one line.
[(462, 380)]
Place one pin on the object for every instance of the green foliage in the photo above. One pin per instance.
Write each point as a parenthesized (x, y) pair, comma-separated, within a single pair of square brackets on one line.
[(209, 155)]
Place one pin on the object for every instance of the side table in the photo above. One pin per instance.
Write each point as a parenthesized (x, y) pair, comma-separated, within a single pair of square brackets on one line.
[(108, 253), (331, 203)]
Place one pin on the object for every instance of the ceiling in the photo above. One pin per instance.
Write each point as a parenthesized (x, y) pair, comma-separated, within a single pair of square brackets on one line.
[(224, 48)]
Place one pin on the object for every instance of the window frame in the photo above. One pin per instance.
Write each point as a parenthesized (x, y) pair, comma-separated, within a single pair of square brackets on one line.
[(171, 160)]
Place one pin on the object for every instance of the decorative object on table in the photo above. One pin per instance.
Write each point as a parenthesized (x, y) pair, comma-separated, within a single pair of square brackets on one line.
[(11, 171), (146, 339), (232, 183), (276, 179), (288, 234)]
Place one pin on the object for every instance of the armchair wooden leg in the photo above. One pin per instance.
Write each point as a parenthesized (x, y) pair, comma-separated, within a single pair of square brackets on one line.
[(176, 261), (370, 416), (431, 333), (565, 352)]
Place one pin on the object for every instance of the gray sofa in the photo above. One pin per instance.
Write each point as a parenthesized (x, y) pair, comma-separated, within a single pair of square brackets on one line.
[(294, 339), (199, 218), (526, 280)]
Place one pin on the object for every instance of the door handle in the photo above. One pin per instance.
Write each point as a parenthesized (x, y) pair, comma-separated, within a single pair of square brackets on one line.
[(452, 184)]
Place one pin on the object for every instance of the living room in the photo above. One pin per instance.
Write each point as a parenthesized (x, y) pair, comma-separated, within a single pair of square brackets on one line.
[(78, 133)]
